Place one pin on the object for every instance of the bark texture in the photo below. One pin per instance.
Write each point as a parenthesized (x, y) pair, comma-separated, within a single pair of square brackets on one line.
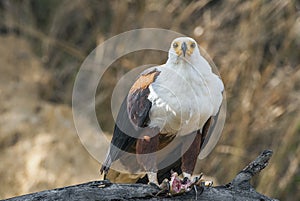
[(238, 189)]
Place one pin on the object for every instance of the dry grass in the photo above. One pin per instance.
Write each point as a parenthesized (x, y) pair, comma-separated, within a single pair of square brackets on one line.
[(255, 45)]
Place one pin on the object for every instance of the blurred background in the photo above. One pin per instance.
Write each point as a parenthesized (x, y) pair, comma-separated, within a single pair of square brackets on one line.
[(255, 45)]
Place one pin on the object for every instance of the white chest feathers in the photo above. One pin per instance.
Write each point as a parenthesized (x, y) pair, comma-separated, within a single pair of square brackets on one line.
[(183, 99)]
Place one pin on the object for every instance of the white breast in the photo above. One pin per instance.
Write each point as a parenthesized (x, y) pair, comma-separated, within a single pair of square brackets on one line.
[(183, 100)]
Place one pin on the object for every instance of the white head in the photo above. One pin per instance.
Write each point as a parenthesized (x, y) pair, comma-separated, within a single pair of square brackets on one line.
[(185, 49)]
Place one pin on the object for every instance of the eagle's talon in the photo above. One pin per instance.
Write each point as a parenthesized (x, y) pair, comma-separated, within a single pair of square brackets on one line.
[(196, 180), (203, 183), (165, 185), (208, 183), (185, 180)]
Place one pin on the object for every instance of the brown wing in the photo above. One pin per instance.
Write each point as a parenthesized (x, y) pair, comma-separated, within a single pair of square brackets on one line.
[(138, 104), (133, 114)]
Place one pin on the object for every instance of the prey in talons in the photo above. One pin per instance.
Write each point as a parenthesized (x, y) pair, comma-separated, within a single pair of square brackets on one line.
[(178, 185)]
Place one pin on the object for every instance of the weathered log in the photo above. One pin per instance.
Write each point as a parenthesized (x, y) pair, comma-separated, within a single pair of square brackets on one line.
[(238, 189)]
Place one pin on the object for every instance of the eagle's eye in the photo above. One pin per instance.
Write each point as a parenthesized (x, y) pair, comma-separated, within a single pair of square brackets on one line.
[(175, 45), (193, 45)]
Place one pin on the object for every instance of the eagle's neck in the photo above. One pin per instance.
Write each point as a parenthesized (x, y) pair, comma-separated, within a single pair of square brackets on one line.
[(196, 64)]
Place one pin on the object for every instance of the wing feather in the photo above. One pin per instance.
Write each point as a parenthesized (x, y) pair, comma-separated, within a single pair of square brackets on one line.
[(133, 115), (138, 104)]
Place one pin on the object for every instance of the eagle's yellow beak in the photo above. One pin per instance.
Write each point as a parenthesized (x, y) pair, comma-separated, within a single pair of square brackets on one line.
[(183, 48)]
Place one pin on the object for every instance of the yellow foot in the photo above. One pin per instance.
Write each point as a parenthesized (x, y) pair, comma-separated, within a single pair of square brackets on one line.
[(202, 182)]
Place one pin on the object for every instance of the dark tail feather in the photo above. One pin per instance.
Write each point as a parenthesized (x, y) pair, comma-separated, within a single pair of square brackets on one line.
[(120, 140), (113, 154), (106, 165)]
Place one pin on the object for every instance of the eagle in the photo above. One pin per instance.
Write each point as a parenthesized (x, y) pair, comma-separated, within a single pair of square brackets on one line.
[(167, 114)]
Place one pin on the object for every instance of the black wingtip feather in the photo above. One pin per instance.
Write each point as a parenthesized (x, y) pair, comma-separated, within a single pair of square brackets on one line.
[(105, 166), (104, 169)]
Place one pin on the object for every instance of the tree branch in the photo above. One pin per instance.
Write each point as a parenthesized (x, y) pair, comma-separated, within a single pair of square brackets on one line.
[(238, 189)]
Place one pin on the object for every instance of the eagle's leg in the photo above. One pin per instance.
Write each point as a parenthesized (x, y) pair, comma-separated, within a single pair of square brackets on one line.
[(189, 158), (146, 156)]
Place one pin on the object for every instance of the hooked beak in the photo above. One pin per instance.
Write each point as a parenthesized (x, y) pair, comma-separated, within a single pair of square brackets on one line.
[(184, 48)]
